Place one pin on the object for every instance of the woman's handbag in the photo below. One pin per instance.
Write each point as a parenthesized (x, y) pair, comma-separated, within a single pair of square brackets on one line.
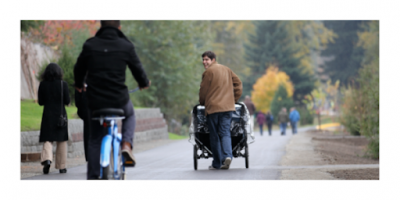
[(62, 120)]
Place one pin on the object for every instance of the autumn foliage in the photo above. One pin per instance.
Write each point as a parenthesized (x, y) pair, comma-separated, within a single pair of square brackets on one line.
[(265, 87), (56, 32)]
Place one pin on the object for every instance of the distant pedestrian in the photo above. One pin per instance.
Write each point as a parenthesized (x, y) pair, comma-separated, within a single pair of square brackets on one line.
[(53, 95), (269, 118), (261, 121), (294, 117), (83, 113), (283, 120), (250, 106)]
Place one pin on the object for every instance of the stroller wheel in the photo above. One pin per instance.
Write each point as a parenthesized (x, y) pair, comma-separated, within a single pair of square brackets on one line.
[(246, 154), (195, 156)]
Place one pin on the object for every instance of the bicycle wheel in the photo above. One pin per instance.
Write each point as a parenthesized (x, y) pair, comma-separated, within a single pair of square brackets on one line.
[(116, 174), (108, 172), (104, 173)]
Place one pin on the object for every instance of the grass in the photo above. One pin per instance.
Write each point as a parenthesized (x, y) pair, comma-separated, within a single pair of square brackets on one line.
[(31, 115), (326, 119), (174, 136)]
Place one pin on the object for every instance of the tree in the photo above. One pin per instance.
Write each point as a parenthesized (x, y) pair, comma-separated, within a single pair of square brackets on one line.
[(360, 108), (369, 85), (345, 54), (57, 32), (230, 36), (27, 25), (267, 85), (170, 52), (281, 100), (68, 53), (310, 38), (272, 44)]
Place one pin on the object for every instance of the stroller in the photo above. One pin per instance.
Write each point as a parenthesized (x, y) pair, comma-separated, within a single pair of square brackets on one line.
[(241, 133)]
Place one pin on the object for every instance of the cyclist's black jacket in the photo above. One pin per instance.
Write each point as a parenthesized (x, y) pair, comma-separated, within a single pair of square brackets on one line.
[(104, 58)]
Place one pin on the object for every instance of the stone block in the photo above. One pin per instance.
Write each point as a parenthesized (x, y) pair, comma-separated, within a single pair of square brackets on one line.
[(30, 157)]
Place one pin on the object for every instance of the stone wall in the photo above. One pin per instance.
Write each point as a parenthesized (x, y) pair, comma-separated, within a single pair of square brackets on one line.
[(33, 55), (150, 126)]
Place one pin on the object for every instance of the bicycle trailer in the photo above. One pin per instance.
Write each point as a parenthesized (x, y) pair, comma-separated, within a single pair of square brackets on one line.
[(241, 133)]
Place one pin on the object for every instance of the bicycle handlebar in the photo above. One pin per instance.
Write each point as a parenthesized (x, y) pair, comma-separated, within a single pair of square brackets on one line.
[(134, 90)]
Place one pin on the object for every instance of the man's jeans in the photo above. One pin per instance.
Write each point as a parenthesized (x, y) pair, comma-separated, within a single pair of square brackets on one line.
[(261, 129), (294, 127), (269, 128), (283, 128), (220, 137), (97, 134)]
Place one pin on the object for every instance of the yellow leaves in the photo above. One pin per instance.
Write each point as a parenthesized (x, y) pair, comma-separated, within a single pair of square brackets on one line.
[(371, 36), (309, 35), (265, 87)]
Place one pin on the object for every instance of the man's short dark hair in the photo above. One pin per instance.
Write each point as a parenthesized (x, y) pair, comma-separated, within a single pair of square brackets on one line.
[(210, 55), (113, 23)]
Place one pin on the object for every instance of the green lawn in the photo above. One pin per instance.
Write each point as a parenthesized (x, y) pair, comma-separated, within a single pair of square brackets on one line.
[(31, 115), (174, 136), (326, 119)]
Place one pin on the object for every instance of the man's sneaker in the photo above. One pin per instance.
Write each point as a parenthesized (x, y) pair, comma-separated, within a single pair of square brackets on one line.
[(127, 153), (226, 163), (211, 167)]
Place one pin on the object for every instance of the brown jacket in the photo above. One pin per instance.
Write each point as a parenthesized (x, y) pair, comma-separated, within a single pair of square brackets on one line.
[(220, 88), (283, 117), (250, 106)]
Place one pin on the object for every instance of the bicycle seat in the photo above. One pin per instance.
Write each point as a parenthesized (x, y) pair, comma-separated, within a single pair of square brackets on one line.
[(108, 112)]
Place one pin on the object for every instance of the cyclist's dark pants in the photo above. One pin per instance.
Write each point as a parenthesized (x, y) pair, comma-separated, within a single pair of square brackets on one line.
[(96, 136)]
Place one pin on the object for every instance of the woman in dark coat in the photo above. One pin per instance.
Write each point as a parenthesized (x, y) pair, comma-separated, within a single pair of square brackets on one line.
[(49, 96)]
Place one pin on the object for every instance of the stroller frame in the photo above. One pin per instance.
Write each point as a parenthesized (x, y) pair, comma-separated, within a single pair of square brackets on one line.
[(201, 148)]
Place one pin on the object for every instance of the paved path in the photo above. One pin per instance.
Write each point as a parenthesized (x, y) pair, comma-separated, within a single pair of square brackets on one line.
[(174, 161)]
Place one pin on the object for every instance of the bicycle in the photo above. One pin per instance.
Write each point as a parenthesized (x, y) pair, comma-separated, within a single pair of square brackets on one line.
[(111, 159)]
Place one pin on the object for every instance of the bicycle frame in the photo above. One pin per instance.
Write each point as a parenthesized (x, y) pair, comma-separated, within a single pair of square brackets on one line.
[(111, 141)]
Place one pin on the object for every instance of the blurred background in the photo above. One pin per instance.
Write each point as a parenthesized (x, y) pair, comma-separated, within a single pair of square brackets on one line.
[(328, 70)]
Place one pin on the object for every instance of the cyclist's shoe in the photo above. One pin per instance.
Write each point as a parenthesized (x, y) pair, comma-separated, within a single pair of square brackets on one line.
[(46, 166), (62, 171), (128, 155)]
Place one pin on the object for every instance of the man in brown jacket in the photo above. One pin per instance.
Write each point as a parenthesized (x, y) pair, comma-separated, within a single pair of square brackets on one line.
[(220, 88)]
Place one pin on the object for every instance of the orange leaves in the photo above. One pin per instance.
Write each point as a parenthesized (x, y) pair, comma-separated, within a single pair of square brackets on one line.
[(56, 32), (265, 87)]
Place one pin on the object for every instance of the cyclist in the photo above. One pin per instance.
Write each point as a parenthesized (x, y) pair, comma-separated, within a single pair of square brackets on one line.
[(104, 58)]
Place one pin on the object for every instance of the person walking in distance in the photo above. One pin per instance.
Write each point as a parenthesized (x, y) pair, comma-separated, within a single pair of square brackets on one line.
[(261, 121), (53, 95), (294, 117), (250, 106), (220, 88), (269, 118), (283, 120), (104, 59)]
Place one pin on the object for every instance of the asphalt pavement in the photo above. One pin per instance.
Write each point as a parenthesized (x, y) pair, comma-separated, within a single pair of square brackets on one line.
[(174, 161)]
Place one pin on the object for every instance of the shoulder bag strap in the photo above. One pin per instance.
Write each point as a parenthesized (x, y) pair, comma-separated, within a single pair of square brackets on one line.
[(61, 97)]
